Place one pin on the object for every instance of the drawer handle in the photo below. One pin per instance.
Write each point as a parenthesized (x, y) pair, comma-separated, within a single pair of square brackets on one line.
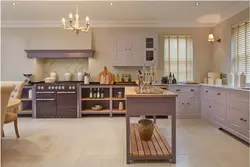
[(188, 103), (182, 103), (209, 106), (192, 90), (241, 119), (206, 91), (218, 94), (177, 90)]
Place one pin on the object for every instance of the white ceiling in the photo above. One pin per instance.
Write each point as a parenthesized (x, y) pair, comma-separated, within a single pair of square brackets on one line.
[(130, 13)]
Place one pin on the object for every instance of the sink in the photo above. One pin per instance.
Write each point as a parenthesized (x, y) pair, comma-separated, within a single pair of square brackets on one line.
[(246, 88)]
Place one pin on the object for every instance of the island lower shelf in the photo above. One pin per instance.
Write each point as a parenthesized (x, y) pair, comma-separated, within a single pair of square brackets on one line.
[(157, 148)]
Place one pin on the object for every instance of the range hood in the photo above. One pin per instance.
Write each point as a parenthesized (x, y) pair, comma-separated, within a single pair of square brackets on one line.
[(60, 54)]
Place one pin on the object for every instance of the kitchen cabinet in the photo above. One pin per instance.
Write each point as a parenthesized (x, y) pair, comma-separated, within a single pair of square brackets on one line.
[(227, 109), (238, 113), (219, 111), (134, 50), (187, 102), (206, 108), (150, 50)]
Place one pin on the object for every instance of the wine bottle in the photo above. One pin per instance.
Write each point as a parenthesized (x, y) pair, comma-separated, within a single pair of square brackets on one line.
[(174, 80), (90, 93), (94, 96), (98, 93), (102, 94), (170, 78)]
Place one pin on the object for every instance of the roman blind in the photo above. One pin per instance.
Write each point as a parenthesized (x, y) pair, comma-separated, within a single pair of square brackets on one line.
[(240, 48), (178, 57)]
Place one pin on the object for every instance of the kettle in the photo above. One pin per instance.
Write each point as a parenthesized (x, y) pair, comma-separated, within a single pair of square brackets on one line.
[(67, 76)]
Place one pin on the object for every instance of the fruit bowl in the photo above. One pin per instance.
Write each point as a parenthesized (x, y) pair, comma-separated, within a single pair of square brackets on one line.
[(97, 107)]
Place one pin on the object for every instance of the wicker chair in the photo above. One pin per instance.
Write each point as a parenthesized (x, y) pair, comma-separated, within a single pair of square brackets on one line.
[(11, 116), (6, 90)]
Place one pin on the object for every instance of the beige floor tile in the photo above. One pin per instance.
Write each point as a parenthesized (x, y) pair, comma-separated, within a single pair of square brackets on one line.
[(100, 161), (98, 141)]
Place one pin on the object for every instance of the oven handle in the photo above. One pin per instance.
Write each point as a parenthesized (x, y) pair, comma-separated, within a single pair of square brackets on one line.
[(45, 92), (45, 99), (66, 92)]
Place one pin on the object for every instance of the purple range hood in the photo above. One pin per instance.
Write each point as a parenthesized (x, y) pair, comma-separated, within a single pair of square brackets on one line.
[(60, 54)]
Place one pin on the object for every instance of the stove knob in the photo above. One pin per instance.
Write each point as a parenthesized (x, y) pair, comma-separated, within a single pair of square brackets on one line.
[(49, 87), (59, 87), (62, 87), (69, 87), (38, 87), (73, 87), (55, 87), (52, 87), (42, 87)]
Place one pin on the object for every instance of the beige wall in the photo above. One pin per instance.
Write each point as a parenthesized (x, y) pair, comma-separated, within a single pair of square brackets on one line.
[(15, 40), (221, 57)]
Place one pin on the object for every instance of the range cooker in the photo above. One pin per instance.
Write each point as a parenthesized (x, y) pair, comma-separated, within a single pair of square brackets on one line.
[(56, 100)]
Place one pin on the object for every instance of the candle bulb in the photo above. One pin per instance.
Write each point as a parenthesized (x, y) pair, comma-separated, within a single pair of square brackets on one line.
[(87, 19), (70, 16), (63, 21)]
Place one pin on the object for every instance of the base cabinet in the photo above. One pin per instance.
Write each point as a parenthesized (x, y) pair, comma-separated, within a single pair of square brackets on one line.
[(187, 102), (227, 109)]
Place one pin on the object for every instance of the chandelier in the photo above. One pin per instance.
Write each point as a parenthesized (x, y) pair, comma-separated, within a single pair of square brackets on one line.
[(74, 24)]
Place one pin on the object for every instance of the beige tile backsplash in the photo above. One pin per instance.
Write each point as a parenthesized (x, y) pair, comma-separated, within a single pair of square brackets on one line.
[(61, 66)]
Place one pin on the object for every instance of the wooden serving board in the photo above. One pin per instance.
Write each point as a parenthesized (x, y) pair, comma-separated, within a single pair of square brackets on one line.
[(156, 147)]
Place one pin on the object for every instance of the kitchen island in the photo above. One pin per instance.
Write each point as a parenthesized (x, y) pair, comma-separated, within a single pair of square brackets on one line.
[(158, 148)]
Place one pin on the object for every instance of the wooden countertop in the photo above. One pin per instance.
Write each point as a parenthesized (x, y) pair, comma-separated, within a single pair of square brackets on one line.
[(130, 92)]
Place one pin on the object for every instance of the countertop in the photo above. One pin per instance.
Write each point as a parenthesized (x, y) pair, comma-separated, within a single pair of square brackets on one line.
[(215, 86), (130, 92)]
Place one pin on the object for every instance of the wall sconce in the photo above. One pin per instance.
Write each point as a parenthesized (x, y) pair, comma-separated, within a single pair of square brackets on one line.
[(212, 39)]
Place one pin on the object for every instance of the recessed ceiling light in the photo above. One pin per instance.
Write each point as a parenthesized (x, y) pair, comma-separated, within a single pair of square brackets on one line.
[(13, 3), (197, 4), (111, 4)]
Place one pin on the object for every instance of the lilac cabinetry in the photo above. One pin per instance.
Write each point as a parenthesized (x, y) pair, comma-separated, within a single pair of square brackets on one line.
[(227, 109), (238, 113), (219, 106), (188, 100)]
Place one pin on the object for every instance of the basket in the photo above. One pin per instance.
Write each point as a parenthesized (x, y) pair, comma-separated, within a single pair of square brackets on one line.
[(146, 129)]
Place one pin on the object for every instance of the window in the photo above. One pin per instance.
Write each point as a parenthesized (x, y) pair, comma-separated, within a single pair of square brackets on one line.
[(240, 49), (178, 57)]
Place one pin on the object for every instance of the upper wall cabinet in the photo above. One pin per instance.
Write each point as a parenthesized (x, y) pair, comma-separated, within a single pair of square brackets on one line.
[(134, 50)]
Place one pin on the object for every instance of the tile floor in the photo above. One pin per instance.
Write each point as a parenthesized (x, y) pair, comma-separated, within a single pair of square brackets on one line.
[(100, 142)]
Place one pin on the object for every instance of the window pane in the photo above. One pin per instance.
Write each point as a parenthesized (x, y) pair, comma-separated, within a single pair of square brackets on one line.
[(178, 57), (240, 49)]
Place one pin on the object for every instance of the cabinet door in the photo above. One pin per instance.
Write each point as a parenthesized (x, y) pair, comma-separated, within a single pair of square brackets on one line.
[(187, 105), (136, 50), (206, 108), (237, 116), (121, 42), (121, 58), (121, 54), (219, 112), (150, 50)]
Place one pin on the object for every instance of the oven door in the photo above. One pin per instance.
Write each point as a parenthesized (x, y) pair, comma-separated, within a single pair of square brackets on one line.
[(67, 104), (46, 104), (45, 107)]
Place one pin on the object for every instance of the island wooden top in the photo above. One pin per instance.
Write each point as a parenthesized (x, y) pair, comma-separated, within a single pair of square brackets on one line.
[(130, 92)]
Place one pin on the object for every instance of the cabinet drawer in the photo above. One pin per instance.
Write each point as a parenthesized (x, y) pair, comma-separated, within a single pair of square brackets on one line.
[(184, 89), (238, 95), (207, 92), (220, 95)]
